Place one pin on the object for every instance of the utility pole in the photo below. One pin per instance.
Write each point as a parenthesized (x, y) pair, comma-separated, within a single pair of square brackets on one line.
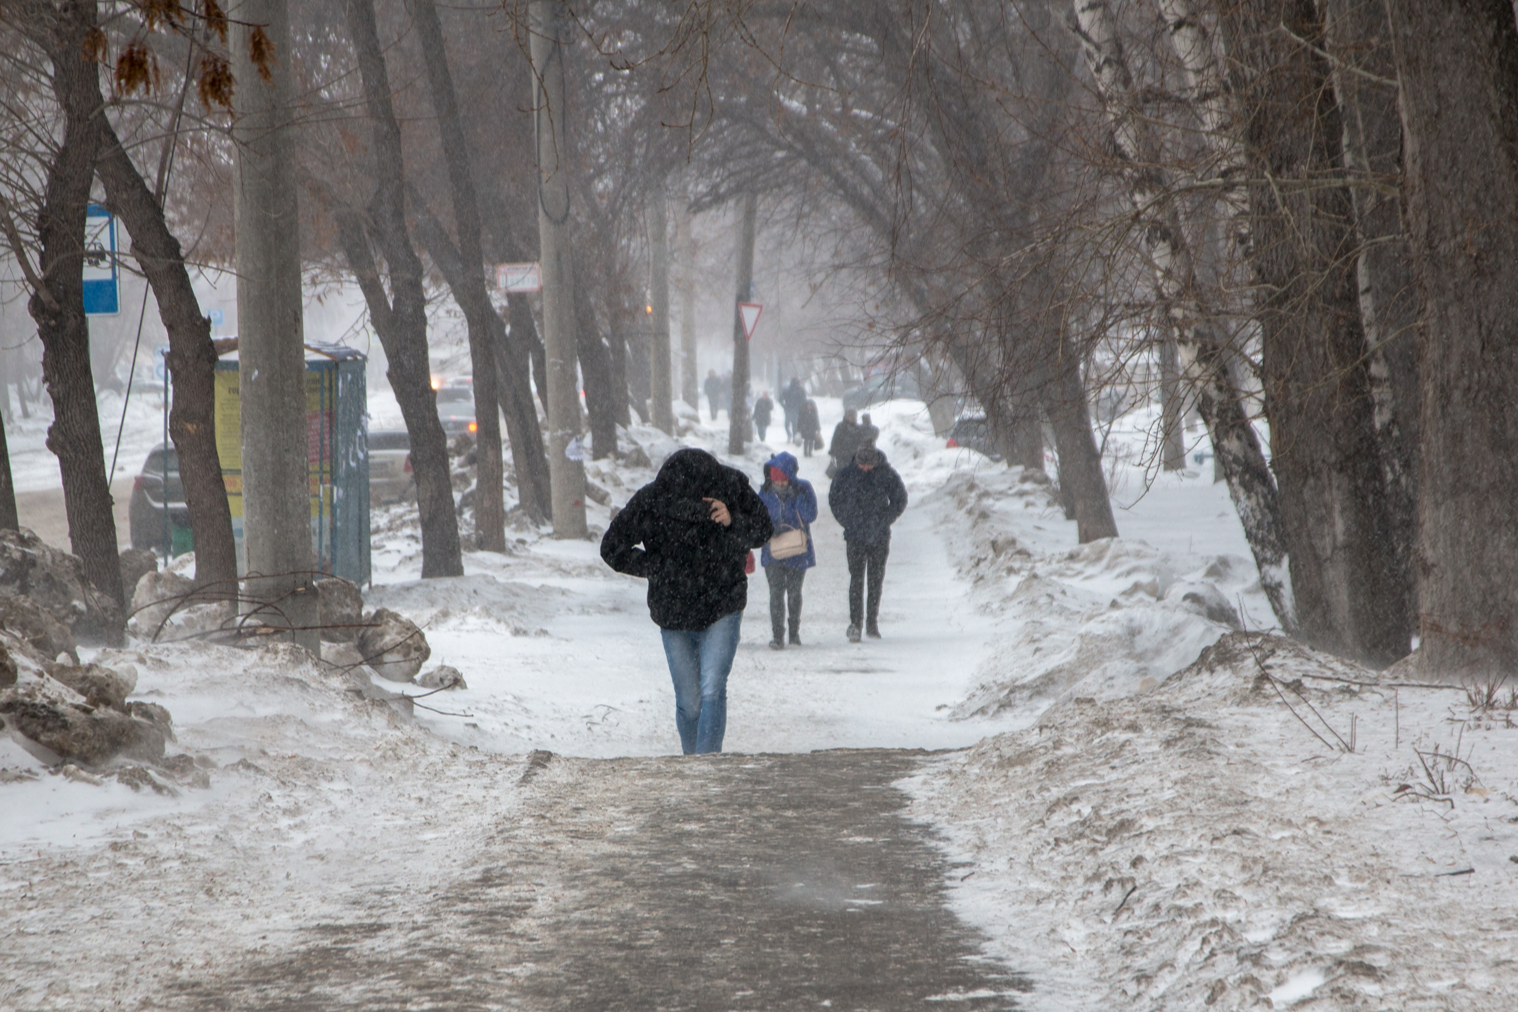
[(271, 346), (737, 431), (566, 476), (690, 390), (658, 351)]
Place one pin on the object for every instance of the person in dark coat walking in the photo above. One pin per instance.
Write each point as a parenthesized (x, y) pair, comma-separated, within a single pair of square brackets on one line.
[(866, 498), (810, 427), (868, 430), (793, 506), (792, 399), (696, 522), (763, 408), (844, 442), (713, 389)]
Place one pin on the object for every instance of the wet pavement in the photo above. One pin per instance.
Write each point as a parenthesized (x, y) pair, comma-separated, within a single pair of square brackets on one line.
[(717, 883)]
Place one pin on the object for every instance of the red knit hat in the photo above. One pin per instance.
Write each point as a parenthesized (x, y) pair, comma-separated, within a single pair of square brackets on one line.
[(777, 474)]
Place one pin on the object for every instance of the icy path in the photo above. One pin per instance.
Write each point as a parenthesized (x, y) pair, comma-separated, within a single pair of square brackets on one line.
[(773, 883), (560, 654)]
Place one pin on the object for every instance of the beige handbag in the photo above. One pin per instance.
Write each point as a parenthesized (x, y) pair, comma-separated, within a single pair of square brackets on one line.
[(788, 544)]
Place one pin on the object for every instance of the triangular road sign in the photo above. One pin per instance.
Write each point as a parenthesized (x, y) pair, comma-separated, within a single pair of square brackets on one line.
[(750, 312)]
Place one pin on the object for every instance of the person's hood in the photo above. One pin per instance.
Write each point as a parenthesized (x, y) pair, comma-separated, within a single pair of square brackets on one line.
[(785, 461), (690, 472)]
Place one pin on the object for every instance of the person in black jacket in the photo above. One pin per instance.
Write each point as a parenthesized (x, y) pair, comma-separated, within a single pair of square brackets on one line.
[(763, 408), (696, 522), (713, 388), (866, 498)]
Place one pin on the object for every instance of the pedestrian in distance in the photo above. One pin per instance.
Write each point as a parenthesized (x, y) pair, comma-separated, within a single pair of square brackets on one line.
[(763, 407), (792, 399), (790, 553), (713, 389), (866, 498), (844, 442), (696, 523), (810, 427), (868, 431)]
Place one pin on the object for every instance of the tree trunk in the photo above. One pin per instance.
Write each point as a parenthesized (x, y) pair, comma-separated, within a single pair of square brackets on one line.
[(271, 346), (473, 298), (527, 449), (527, 346), (400, 318), (191, 359), (9, 521), (1172, 409), (605, 377), (1080, 462), (737, 430), (58, 307), (547, 24), (659, 299), (636, 360), (690, 390), (1457, 61), (1202, 348), (1359, 38), (1350, 597)]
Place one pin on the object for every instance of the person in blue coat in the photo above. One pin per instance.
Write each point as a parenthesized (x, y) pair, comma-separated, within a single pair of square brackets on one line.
[(793, 506)]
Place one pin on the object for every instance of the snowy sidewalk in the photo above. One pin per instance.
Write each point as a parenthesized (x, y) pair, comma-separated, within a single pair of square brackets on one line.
[(732, 882)]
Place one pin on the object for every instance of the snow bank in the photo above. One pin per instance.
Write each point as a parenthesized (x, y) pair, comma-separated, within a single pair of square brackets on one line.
[(1199, 844)]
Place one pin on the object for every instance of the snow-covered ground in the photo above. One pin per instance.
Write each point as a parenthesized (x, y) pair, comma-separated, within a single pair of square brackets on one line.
[(1134, 836)]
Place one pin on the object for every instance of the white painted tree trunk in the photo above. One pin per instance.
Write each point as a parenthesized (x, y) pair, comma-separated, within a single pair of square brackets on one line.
[(1203, 355)]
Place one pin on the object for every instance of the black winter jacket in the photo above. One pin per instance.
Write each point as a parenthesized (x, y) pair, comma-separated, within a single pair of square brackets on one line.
[(866, 504), (694, 565)]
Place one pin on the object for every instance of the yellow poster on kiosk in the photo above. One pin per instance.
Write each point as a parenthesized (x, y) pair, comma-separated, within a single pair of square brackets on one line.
[(321, 414)]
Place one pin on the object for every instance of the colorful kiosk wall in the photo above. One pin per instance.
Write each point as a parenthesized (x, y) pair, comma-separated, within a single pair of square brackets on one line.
[(337, 457)]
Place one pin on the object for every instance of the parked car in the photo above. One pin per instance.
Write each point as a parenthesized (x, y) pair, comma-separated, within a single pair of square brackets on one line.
[(455, 406), (878, 389), (390, 476), (158, 484), (972, 432)]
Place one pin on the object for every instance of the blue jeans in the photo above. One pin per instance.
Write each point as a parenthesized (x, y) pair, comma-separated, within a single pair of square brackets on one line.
[(699, 661)]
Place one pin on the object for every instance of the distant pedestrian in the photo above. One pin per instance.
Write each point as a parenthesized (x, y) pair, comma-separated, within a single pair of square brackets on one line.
[(696, 522), (810, 427), (844, 442), (793, 507), (763, 407), (713, 389), (866, 498), (868, 431), (792, 399)]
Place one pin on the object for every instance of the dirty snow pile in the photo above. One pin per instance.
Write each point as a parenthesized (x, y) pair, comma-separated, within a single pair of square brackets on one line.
[(1266, 827), (308, 793)]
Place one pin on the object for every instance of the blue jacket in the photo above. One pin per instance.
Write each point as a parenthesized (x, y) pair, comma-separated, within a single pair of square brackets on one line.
[(798, 510)]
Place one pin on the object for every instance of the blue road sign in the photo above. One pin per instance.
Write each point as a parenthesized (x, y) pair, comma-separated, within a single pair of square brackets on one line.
[(102, 281), (217, 317)]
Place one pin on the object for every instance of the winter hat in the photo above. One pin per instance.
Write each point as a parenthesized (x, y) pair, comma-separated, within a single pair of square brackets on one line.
[(867, 456), (778, 475)]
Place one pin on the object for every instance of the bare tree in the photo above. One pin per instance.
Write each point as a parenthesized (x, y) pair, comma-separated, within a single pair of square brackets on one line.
[(487, 333), (57, 302), (1457, 62), (400, 318), (1349, 593)]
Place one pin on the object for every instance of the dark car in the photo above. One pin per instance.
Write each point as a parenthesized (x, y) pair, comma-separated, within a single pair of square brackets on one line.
[(157, 484), (972, 432), (878, 389), (455, 407)]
